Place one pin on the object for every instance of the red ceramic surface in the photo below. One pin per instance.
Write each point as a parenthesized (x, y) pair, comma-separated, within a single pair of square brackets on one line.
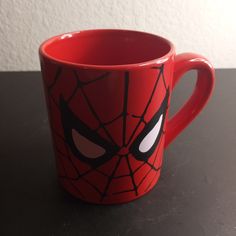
[(108, 94)]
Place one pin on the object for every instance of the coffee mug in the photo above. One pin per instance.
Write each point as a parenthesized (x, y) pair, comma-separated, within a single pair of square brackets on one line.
[(108, 94)]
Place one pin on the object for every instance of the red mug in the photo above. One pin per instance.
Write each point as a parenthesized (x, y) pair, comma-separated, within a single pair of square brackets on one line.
[(108, 93)]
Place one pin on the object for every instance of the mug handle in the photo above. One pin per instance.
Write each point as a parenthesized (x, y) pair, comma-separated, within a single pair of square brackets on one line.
[(202, 92)]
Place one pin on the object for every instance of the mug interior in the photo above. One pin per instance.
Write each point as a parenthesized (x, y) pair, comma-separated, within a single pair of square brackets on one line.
[(106, 47)]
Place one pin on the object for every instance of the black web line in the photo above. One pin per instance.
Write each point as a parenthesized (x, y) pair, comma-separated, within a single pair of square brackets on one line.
[(145, 176), (86, 172), (103, 76), (136, 116), (79, 176), (54, 101), (93, 186), (69, 180), (59, 135), (163, 79), (151, 181), (157, 67), (154, 164), (109, 122), (94, 169), (66, 155), (94, 112), (50, 87), (59, 151), (57, 76), (148, 103), (76, 188), (69, 158), (73, 93), (96, 116), (82, 174), (61, 154), (72, 184), (110, 179), (78, 173), (81, 84), (146, 162), (141, 118), (131, 175), (154, 161), (124, 191), (120, 176), (51, 99), (125, 104), (85, 180), (137, 186)]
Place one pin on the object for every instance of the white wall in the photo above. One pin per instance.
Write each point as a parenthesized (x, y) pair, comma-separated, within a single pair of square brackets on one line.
[(204, 26)]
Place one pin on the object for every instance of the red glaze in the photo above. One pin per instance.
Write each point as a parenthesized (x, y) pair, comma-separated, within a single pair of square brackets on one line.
[(202, 92), (108, 93)]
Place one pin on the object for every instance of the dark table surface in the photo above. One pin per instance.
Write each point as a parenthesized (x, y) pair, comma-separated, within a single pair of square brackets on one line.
[(196, 194)]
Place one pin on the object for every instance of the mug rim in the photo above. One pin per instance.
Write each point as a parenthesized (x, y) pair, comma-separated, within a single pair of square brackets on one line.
[(51, 40)]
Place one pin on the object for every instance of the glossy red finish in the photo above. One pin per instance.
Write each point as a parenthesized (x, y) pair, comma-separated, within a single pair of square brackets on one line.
[(202, 92), (108, 93)]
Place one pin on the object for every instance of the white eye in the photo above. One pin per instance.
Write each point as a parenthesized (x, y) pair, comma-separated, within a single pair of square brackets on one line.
[(150, 138), (86, 147)]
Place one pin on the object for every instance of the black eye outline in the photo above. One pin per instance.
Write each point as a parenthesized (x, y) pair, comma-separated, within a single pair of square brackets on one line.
[(69, 122), (134, 148)]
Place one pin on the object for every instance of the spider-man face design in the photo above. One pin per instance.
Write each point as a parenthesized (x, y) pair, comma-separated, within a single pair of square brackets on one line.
[(108, 130)]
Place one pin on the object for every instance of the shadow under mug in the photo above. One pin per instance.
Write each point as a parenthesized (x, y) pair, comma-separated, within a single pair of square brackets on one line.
[(108, 94)]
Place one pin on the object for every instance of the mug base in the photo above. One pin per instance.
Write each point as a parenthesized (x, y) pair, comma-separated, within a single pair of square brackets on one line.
[(108, 201)]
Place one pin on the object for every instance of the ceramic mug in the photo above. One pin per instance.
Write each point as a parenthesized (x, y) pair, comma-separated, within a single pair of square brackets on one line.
[(108, 93)]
